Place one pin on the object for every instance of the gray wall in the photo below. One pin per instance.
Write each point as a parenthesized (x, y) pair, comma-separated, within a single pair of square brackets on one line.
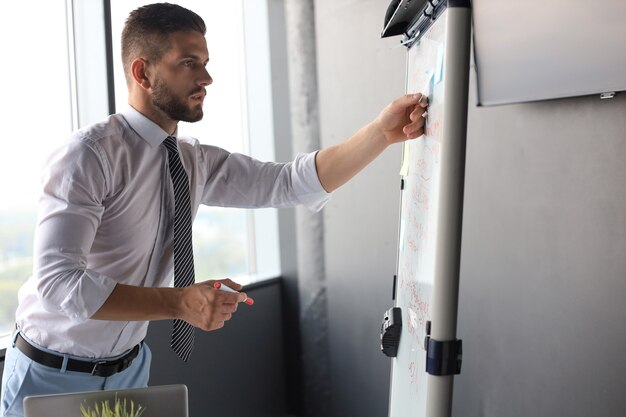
[(543, 287), (358, 75), (237, 371), (543, 293)]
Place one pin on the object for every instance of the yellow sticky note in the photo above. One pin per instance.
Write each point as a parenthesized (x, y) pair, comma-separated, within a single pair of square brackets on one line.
[(404, 170)]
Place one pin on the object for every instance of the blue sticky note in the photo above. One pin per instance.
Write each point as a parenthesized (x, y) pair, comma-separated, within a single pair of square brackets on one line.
[(428, 84), (439, 65)]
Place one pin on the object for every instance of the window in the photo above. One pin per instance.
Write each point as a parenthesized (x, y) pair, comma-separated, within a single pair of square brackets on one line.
[(52, 83), (37, 87)]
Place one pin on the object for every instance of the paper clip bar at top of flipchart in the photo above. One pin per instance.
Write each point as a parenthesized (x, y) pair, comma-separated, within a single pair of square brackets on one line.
[(400, 14), (408, 42), (418, 25)]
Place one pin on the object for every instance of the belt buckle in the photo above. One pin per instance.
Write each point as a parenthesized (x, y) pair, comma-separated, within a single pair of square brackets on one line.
[(95, 367), (113, 367)]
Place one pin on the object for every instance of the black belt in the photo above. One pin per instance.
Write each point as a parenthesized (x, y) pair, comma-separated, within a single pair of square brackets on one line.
[(97, 368)]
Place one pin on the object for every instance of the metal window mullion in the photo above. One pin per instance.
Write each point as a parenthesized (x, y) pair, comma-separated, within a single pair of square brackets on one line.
[(71, 54), (245, 120), (108, 38)]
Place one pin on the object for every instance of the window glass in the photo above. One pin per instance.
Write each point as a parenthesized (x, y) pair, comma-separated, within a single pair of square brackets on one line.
[(36, 87)]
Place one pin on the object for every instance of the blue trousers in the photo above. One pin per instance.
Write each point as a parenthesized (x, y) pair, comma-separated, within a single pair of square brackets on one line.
[(24, 377)]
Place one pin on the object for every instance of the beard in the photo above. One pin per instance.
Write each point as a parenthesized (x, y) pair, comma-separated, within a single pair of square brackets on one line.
[(174, 107)]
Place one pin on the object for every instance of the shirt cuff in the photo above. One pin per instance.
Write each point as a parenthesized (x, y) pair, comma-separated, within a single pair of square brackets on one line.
[(88, 295), (306, 182)]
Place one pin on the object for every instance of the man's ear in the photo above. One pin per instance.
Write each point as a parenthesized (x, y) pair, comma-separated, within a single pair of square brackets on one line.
[(139, 69)]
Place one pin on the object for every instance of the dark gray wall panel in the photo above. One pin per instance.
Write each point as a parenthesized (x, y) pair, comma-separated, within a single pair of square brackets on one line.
[(543, 293), (236, 371), (358, 75)]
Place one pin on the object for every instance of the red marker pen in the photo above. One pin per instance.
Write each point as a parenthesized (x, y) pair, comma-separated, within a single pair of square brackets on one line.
[(224, 287)]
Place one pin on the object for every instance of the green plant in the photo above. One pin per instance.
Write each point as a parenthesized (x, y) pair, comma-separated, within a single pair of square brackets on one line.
[(119, 409)]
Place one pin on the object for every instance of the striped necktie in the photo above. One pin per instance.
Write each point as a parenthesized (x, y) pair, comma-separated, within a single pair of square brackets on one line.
[(183, 332)]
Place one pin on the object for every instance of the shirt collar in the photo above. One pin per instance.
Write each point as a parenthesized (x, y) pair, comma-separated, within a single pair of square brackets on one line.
[(144, 127)]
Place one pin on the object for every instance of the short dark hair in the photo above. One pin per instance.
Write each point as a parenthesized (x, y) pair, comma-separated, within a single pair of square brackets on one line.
[(147, 29)]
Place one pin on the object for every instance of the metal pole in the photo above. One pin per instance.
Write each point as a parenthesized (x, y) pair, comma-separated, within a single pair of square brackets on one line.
[(452, 177)]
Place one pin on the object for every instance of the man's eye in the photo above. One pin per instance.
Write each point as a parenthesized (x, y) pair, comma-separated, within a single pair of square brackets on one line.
[(188, 63)]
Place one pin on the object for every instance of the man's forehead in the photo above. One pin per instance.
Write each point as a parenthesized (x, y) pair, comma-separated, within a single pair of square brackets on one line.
[(188, 44)]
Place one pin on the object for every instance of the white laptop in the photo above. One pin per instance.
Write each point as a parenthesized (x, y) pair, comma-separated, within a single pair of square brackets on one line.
[(158, 401)]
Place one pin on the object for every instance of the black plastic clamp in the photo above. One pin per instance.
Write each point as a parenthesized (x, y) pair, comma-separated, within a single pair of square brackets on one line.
[(442, 358), (390, 332)]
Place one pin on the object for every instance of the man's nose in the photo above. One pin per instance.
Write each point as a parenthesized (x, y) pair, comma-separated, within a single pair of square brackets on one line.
[(206, 79)]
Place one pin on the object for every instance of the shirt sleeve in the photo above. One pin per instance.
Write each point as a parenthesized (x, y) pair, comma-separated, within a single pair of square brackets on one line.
[(236, 180), (70, 210)]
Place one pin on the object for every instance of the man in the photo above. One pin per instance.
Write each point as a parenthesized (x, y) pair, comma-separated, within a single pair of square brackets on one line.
[(110, 233)]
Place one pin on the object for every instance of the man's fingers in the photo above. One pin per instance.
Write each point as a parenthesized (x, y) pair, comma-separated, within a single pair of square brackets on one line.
[(228, 302), (416, 99), (402, 103), (415, 129), (417, 113), (231, 284), (215, 325), (418, 123), (227, 307)]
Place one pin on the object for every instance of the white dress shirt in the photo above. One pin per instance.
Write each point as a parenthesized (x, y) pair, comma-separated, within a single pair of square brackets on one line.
[(106, 217)]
